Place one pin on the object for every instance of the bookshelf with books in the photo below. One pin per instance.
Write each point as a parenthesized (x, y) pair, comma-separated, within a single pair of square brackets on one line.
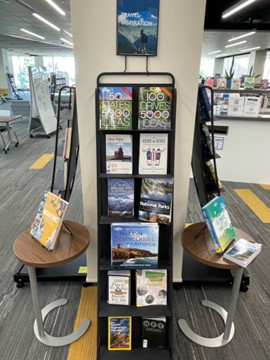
[(126, 242)]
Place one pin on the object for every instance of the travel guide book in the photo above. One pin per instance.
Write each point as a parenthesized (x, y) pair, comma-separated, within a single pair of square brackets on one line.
[(219, 224), (154, 332), (134, 245), (156, 200), (115, 107), (118, 154), (151, 287), (153, 154), (137, 27), (243, 252), (119, 332), (48, 221), (120, 197), (155, 108), (119, 287)]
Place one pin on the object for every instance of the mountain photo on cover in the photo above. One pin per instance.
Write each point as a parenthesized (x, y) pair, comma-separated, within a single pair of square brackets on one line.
[(137, 27)]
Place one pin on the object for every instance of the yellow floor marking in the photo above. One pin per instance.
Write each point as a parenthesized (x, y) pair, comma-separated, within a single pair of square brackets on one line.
[(255, 204), (41, 162), (85, 348), (265, 186)]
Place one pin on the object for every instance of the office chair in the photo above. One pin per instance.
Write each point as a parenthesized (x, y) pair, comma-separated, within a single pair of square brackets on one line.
[(3, 128)]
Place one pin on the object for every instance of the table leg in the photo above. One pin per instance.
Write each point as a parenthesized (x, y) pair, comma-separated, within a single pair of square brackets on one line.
[(227, 317), (41, 315)]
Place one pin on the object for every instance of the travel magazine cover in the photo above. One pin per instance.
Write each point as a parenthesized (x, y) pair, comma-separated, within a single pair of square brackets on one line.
[(151, 287), (137, 27), (243, 252), (119, 332)]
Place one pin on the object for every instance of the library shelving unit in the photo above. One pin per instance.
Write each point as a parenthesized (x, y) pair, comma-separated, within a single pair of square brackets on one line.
[(106, 310)]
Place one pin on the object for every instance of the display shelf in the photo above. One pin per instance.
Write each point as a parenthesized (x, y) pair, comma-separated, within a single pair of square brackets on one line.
[(135, 354)]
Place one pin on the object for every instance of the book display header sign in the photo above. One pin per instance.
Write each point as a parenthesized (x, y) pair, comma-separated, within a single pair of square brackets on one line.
[(137, 27)]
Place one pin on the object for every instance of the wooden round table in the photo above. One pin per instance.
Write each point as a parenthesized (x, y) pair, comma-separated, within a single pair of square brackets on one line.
[(73, 241), (196, 240)]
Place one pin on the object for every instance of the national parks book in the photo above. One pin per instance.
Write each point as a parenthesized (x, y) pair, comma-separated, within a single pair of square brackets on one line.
[(115, 107), (155, 108), (134, 245), (219, 224), (49, 219), (243, 252), (151, 287), (119, 332), (120, 197), (118, 154)]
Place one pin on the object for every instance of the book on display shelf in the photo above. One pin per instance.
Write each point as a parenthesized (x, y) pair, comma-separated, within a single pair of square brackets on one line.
[(153, 154), (120, 197), (154, 332), (134, 245), (242, 252), (49, 219), (119, 287), (155, 108), (156, 200), (115, 107), (219, 224), (119, 332), (118, 154), (151, 287)]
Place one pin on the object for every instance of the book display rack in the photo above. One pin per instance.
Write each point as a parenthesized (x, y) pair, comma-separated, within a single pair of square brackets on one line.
[(124, 112)]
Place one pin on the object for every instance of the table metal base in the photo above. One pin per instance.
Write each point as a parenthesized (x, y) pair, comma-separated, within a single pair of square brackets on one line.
[(204, 341)]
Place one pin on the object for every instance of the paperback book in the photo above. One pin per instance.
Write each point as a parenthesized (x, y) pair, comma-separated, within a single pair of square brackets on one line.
[(154, 332), (155, 108), (219, 224), (151, 287), (156, 200), (243, 252), (134, 245), (119, 287), (115, 108), (48, 221), (118, 154), (121, 197), (153, 154), (119, 332)]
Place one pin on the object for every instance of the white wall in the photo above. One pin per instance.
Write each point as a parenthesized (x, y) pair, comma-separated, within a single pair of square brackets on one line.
[(179, 49)]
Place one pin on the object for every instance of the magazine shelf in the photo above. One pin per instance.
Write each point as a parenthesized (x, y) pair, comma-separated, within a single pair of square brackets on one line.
[(165, 231)]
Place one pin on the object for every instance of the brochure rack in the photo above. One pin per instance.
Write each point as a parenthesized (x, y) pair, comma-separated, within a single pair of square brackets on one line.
[(104, 222)]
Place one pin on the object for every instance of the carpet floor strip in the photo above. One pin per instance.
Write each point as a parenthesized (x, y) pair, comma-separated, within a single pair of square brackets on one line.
[(41, 162)]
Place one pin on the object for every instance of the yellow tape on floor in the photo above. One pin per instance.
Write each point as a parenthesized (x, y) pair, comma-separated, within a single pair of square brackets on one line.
[(41, 162), (255, 204), (265, 186), (85, 348)]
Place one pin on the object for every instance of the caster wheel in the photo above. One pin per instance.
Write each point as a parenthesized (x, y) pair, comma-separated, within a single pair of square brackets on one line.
[(20, 285), (31, 136), (16, 145)]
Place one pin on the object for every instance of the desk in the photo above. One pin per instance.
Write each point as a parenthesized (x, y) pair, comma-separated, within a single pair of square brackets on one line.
[(7, 120), (31, 253), (196, 241)]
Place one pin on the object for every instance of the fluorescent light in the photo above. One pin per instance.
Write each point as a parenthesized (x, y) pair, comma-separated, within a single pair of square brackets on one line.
[(66, 41), (33, 34), (214, 52), (235, 44), (242, 36), (250, 49), (56, 7), (238, 6), (221, 55), (46, 21), (68, 33)]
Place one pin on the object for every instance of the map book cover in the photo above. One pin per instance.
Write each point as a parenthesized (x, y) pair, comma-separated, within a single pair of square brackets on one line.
[(134, 245), (153, 154), (119, 287), (115, 108), (156, 200), (151, 287), (137, 27), (155, 108), (119, 332), (243, 252), (120, 197), (49, 218), (219, 224), (118, 154), (154, 332)]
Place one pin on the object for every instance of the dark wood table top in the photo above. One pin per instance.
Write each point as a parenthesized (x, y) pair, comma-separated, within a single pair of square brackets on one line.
[(30, 252), (196, 240)]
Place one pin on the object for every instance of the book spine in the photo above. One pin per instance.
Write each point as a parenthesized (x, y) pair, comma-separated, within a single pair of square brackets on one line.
[(211, 230)]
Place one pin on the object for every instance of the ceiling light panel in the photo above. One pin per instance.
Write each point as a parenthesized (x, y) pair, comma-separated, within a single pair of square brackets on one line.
[(214, 52), (56, 7), (235, 44), (242, 36), (66, 41), (237, 7), (33, 34), (250, 49), (46, 21)]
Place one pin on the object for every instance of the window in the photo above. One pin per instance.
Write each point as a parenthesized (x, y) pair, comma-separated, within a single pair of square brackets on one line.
[(266, 71), (240, 65), (20, 68), (62, 67)]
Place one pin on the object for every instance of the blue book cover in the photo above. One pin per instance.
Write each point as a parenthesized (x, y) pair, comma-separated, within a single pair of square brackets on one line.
[(134, 245), (219, 224), (137, 27), (121, 197)]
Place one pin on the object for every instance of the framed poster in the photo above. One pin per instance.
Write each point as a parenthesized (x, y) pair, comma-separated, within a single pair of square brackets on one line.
[(137, 27)]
